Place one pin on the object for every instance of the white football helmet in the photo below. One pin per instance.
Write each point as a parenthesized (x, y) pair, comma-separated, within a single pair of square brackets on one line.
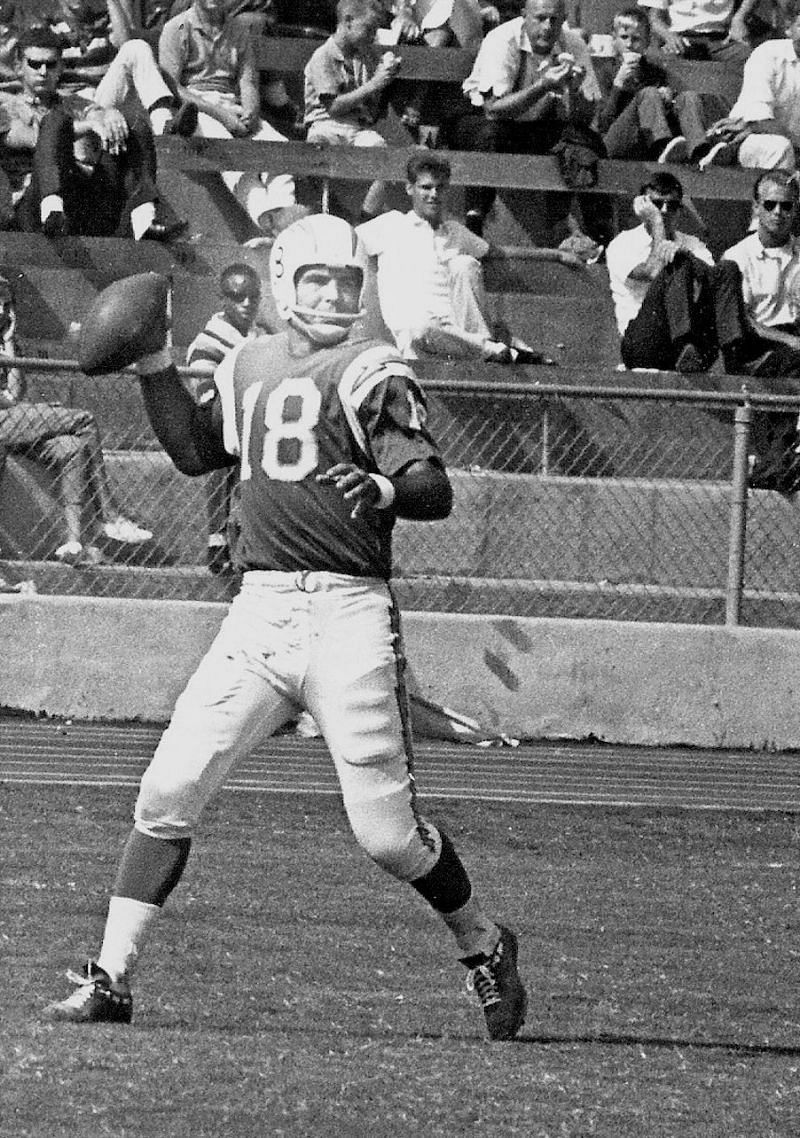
[(320, 239)]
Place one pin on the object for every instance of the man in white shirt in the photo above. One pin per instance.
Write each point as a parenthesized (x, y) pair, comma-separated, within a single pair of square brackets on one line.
[(758, 310), (763, 128), (532, 84), (430, 279), (662, 285)]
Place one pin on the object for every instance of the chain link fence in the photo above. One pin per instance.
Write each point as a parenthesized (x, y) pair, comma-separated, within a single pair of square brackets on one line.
[(570, 501)]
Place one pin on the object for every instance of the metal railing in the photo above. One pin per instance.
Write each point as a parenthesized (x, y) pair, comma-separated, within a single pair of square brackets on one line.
[(582, 501)]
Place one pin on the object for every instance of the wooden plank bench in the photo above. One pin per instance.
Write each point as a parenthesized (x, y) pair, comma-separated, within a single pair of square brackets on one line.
[(284, 56)]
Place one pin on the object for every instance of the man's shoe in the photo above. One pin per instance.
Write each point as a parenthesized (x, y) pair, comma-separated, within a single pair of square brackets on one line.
[(218, 560), (79, 555), (676, 150), (720, 154), (163, 231), (95, 1000), (184, 121), (690, 360), (496, 982), (55, 225), (126, 532), (520, 355)]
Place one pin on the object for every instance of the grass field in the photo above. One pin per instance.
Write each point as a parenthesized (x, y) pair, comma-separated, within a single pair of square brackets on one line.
[(292, 989)]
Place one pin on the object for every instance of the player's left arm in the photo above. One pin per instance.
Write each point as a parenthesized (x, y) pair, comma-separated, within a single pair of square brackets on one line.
[(401, 469)]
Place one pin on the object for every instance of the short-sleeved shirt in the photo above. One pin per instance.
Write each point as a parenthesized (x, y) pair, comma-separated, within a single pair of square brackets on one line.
[(205, 60), (506, 62), (700, 16), (413, 275), (289, 418), (330, 73), (771, 87), (770, 279), (629, 249)]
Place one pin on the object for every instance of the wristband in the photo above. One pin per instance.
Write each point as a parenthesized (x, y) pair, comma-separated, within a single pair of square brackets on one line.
[(154, 362), (387, 491)]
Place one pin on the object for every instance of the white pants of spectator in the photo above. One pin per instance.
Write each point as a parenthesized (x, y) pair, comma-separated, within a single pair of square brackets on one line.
[(133, 70), (257, 193), (766, 152), (331, 132), (459, 334)]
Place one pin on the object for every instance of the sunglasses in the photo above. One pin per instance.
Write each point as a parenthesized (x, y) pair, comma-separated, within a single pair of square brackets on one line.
[(771, 206), (241, 297), (669, 204), (38, 64)]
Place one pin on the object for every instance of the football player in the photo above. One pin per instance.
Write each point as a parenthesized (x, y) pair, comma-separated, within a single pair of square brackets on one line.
[(329, 430)]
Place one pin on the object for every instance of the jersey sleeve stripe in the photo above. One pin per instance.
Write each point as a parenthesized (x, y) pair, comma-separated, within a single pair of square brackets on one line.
[(362, 375)]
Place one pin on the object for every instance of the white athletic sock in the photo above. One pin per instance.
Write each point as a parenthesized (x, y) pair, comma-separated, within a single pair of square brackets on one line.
[(473, 930), (127, 927), (142, 217)]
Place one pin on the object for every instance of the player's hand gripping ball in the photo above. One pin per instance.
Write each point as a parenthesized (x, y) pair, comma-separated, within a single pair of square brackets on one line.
[(127, 320)]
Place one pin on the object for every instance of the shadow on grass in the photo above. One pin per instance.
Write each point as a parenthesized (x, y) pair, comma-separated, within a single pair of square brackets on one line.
[(611, 1039)]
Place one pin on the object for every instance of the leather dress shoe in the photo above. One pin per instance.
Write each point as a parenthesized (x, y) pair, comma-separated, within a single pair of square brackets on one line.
[(55, 225), (162, 231), (184, 121)]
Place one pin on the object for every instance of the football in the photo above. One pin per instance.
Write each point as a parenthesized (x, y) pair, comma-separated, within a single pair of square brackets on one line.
[(126, 321)]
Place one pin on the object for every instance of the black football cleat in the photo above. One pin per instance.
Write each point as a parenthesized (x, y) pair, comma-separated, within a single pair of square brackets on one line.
[(96, 999), (495, 980)]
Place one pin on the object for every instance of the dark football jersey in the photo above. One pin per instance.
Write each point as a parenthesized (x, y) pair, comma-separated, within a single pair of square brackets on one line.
[(289, 419)]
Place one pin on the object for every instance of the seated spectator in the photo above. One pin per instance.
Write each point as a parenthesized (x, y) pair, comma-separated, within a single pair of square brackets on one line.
[(105, 64), (65, 181), (640, 115), (237, 321), (430, 280), (533, 90), (346, 87), (717, 30), (758, 323), (763, 128), (211, 60), (662, 285), (66, 441)]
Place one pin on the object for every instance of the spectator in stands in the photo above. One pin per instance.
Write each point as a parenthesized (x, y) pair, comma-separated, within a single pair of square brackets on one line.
[(763, 128), (640, 115), (758, 323), (104, 63), (721, 30), (66, 441), (430, 280), (65, 181), (237, 321), (532, 88), (662, 285), (211, 60), (346, 87)]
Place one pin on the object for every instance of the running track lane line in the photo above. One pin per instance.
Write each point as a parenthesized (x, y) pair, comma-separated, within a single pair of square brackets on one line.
[(42, 753)]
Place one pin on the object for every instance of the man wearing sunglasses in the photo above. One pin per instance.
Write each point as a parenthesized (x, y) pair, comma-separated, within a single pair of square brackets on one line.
[(758, 307), (662, 285)]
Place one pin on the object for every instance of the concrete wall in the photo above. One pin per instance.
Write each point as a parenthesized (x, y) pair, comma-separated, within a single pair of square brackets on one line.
[(653, 684)]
